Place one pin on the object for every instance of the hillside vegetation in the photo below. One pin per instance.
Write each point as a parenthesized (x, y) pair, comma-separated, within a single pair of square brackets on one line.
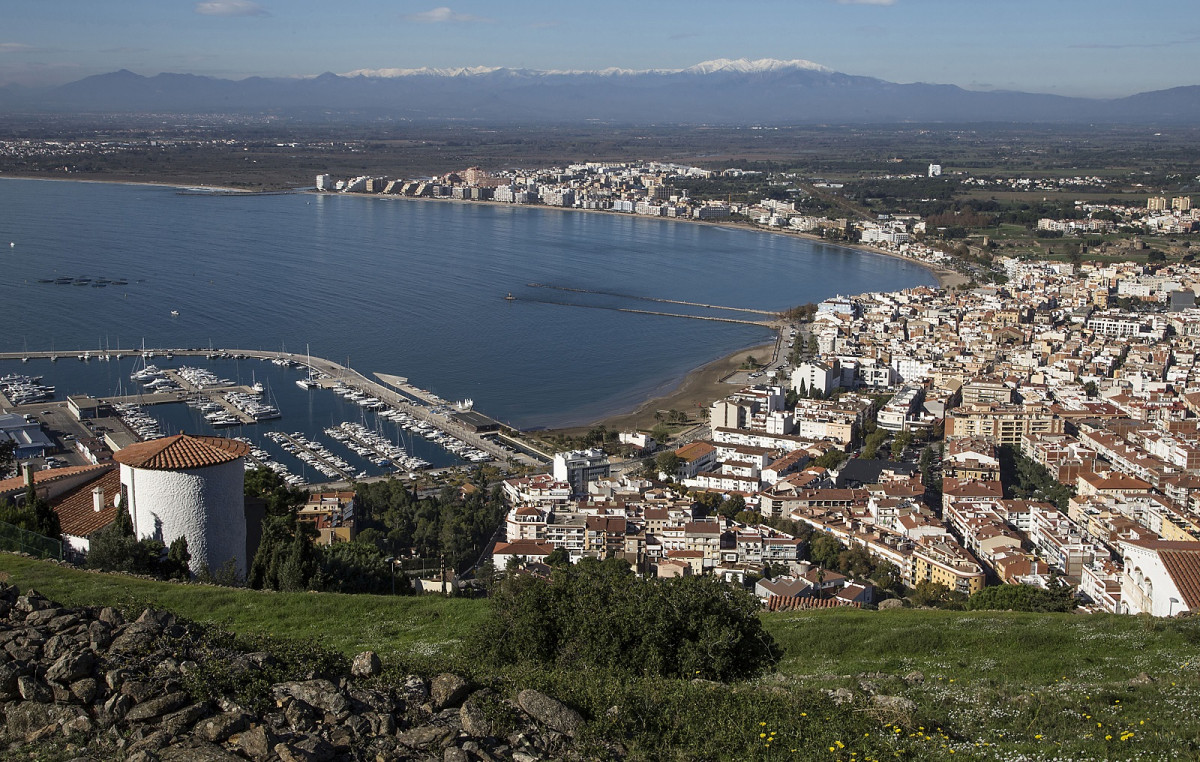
[(851, 684)]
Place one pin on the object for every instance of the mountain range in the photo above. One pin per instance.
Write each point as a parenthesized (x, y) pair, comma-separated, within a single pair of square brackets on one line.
[(765, 91)]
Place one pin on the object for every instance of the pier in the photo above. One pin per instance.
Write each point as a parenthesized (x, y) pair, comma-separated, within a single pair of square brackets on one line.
[(398, 393), (649, 299), (769, 324)]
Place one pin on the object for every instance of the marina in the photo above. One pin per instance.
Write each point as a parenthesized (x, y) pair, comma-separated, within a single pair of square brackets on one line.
[(397, 423)]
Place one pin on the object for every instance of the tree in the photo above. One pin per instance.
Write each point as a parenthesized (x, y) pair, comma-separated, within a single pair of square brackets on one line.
[(266, 485), (668, 463), (824, 549), (936, 595), (558, 557), (661, 433), (178, 558), (1058, 597), (8, 450), (114, 548), (830, 459)]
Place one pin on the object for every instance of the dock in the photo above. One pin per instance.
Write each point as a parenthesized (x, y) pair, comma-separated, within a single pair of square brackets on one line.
[(397, 393)]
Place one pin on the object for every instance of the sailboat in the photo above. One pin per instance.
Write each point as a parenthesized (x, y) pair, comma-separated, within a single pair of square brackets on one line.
[(308, 382)]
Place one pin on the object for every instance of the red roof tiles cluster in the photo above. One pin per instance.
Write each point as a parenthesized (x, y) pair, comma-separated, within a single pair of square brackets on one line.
[(785, 603), (181, 452)]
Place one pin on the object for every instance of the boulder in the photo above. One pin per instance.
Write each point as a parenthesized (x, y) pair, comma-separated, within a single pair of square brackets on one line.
[(321, 694), (33, 690), (550, 712), (366, 664), (448, 690), (256, 743), (71, 667), (222, 726), (156, 707), (424, 736)]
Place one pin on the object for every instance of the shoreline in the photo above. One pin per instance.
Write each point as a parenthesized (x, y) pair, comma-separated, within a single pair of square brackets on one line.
[(696, 389)]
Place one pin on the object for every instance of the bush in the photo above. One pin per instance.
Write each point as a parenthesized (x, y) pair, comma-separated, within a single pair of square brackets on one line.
[(599, 616), (1023, 598)]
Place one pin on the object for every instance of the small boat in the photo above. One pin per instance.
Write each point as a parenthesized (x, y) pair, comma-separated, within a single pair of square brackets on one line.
[(174, 313)]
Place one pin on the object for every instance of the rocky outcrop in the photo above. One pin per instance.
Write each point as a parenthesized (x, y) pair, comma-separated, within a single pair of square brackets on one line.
[(90, 685)]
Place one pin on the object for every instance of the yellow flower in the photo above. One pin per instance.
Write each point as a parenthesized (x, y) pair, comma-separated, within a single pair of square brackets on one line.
[(1038, 736), (1107, 738), (762, 724), (762, 735)]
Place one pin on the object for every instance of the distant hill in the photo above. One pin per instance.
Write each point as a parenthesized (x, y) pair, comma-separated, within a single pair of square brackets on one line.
[(726, 92)]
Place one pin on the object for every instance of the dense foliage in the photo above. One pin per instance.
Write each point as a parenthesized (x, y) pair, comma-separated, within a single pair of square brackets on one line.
[(115, 548), (828, 552), (456, 523), (34, 515), (1058, 598), (599, 616), (1025, 478)]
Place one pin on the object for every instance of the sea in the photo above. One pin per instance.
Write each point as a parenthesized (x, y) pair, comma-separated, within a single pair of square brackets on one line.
[(405, 287)]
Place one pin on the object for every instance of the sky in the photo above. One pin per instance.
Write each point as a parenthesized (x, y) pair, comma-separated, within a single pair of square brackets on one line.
[(1091, 48)]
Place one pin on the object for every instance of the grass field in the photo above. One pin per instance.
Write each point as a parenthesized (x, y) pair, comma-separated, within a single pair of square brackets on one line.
[(994, 685)]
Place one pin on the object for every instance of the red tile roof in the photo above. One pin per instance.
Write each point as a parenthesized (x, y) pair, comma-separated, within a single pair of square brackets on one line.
[(1184, 568), (784, 603), (76, 509), (43, 477), (180, 452)]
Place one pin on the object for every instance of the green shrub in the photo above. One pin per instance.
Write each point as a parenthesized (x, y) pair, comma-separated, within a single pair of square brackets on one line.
[(599, 616)]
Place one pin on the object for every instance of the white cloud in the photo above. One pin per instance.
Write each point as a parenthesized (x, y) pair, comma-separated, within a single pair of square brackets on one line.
[(866, 2), (444, 15), (15, 47), (230, 8)]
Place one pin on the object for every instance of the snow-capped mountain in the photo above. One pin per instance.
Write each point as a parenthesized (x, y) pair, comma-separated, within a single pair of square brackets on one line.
[(721, 91)]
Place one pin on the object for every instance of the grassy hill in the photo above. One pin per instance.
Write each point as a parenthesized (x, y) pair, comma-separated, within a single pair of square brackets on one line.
[(983, 685)]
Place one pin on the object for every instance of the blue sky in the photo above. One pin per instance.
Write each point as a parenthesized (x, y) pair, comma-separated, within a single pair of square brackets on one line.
[(1098, 48)]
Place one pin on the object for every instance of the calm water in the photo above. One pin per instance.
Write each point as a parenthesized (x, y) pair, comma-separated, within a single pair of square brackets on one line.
[(410, 288)]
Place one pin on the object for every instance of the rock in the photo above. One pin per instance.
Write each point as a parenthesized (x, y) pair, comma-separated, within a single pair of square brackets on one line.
[(81, 724), (366, 664), (550, 712), (414, 690), (71, 667), (158, 620), (1143, 679), (32, 690), (156, 707), (309, 749), (28, 719), (8, 681), (891, 603), (455, 754), (176, 723), (85, 690), (256, 742), (364, 699), (194, 750), (222, 726), (300, 715), (153, 741), (841, 695), (898, 704), (111, 616), (448, 690), (474, 721), (914, 678), (32, 601), (423, 737), (321, 694), (136, 637)]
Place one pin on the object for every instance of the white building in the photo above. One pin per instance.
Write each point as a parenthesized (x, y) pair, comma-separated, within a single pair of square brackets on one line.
[(935, 170), (186, 486), (1160, 577), (816, 376), (578, 467)]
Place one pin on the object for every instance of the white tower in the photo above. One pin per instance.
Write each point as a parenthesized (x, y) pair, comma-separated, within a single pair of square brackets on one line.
[(191, 487)]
